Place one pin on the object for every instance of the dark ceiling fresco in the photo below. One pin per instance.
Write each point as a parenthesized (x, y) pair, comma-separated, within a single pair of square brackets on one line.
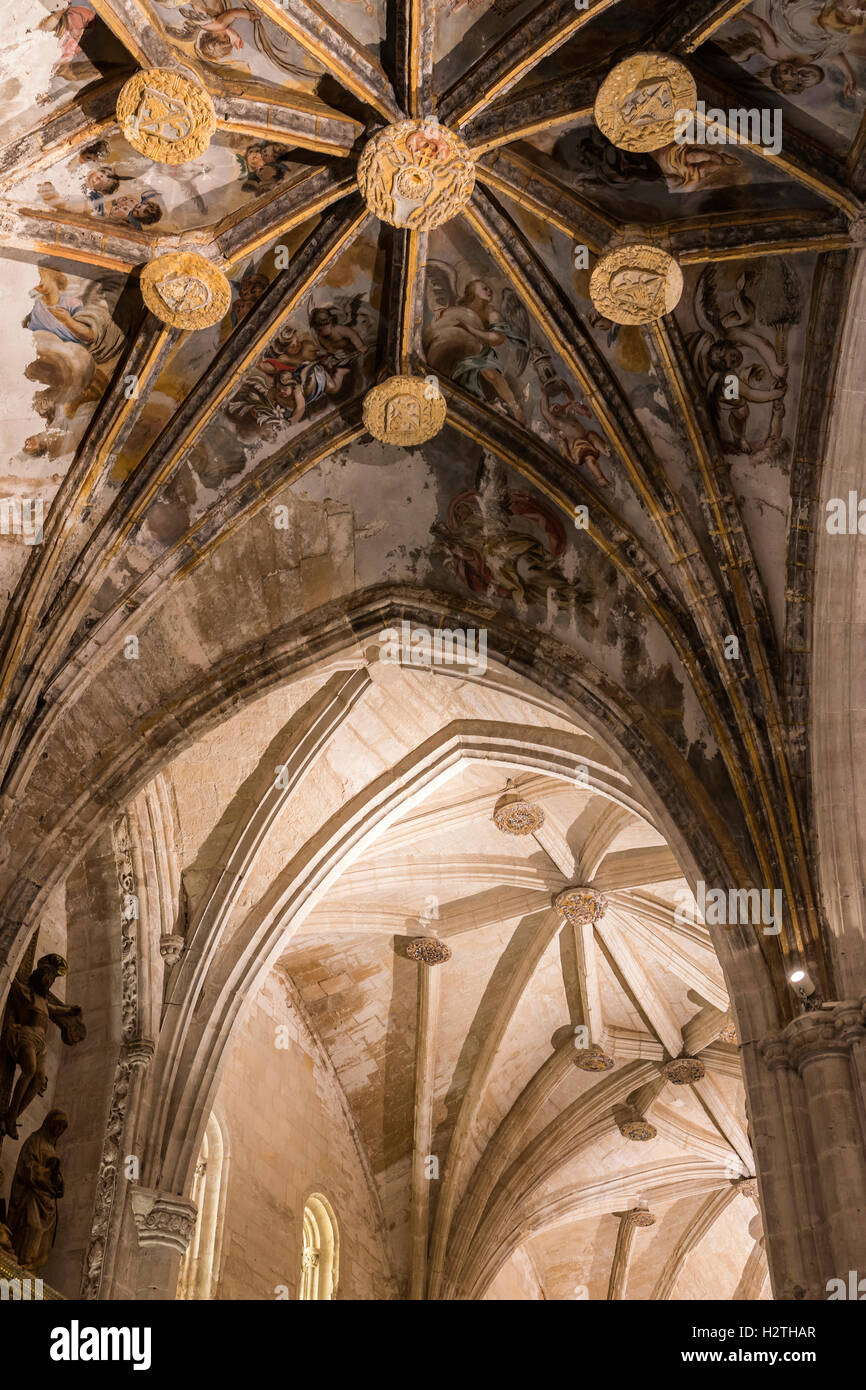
[(701, 510)]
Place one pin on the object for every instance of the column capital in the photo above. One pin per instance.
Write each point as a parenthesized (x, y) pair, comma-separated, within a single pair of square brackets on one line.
[(825, 1032), (161, 1218), (138, 1052)]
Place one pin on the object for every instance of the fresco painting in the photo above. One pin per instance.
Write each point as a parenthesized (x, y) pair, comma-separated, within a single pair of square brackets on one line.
[(239, 41), (812, 53), (478, 333), (107, 180), (77, 329), (61, 50)]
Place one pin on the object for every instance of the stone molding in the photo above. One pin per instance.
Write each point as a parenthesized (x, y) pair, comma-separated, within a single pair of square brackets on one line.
[(163, 1219), (829, 1031)]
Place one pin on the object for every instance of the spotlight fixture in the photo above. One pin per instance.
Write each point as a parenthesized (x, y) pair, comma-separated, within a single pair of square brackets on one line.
[(804, 987), (802, 981)]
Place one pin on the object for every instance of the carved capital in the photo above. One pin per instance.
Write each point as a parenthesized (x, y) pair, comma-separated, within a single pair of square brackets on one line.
[(857, 228), (138, 1052), (171, 947), (828, 1031), (163, 1219)]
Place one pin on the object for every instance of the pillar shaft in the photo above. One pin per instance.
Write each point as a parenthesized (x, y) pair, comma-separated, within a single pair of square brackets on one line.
[(805, 1096)]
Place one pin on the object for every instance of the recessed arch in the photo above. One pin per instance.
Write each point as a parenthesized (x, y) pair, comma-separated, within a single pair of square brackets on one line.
[(320, 1257)]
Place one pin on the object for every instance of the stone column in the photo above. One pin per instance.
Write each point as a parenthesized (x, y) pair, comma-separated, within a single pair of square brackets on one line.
[(806, 1087), (629, 1222)]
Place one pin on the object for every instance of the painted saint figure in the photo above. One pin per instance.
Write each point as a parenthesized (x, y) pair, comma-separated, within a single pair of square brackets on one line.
[(30, 1009)]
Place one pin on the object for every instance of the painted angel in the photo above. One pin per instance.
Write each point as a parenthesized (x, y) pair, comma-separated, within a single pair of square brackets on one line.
[(737, 361), (345, 327), (462, 338)]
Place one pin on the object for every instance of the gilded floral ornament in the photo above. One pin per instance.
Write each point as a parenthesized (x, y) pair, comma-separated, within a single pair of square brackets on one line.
[(636, 283), (581, 905), (416, 174), (637, 103), (185, 290), (165, 116), (405, 410)]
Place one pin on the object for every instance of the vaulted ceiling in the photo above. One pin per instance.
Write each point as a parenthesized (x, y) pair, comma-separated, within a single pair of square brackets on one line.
[(209, 530), (473, 1119)]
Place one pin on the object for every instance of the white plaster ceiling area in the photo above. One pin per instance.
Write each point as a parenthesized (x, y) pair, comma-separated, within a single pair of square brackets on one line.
[(534, 1174)]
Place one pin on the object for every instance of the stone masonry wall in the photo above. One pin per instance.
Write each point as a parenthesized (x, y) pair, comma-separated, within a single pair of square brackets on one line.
[(288, 1137)]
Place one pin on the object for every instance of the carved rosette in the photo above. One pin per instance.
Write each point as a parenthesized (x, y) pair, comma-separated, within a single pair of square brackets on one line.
[(593, 1058), (581, 905), (729, 1034), (639, 1131), (515, 816), (683, 1071), (635, 284), (185, 290), (416, 174), (404, 410), (428, 950), (163, 1219), (637, 104), (748, 1187), (165, 116), (641, 1217)]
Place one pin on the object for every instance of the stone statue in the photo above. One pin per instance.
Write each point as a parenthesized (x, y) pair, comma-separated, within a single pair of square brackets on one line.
[(30, 1009), (36, 1189)]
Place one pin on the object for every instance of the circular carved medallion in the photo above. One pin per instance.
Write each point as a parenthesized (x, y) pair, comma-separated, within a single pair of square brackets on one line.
[(637, 283), (594, 1059), (638, 1130), (429, 950), (515, 816), (581, 905), (416, 174), (641, 1217), (185, 290), (637, 103), (729, 1034), (404, 410), (684, 1070), (165, 116)]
